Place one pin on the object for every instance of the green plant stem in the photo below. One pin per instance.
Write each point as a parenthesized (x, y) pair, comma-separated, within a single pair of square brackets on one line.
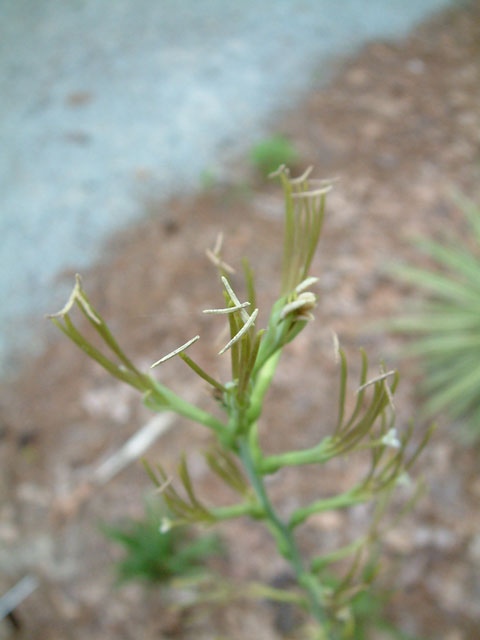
[(236, 510), (200, 372), (315, 455), (71, 332), (262, 383), (168, 400), (283, 536), (318, 564), (347, 499)]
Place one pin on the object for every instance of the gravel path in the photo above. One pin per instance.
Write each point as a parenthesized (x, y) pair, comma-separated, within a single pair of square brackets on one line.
[(103, 102)]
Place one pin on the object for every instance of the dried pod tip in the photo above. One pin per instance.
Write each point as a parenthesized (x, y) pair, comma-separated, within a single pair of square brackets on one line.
[(165, 525), (305, 302), (390, 439), (175, 352)]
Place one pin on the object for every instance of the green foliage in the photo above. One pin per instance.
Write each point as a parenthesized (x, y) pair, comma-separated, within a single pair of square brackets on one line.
[(368, 608), (237, 458), (267, 155), (208, 179), (447, 324), (154, 556)]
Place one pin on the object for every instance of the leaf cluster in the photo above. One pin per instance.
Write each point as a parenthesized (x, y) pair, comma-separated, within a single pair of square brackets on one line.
[(446, 325), (154, 558)]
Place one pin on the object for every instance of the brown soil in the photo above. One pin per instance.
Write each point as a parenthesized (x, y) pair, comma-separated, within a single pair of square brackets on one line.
[(400, 126)]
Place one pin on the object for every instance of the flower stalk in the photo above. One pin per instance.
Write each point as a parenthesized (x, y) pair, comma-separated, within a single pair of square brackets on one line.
[(238, 459)]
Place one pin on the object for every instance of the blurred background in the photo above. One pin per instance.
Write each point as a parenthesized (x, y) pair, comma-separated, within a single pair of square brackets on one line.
[(130, 134), (103, 105)]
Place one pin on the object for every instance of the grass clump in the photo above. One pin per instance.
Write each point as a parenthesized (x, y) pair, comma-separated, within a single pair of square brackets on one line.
[(155, 557), (446, 326), (268, 154)]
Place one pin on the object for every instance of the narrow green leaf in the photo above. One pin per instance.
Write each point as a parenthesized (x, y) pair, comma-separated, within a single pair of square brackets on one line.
[(342, 391), (360, 394), (449, 345), (460, 261), (102, 328), (316, 230), (200, 372), (435, 319), (250, 282), (471, 211), (234, 323), (441, 285), (466, 385), (318, 564), (150, 472)]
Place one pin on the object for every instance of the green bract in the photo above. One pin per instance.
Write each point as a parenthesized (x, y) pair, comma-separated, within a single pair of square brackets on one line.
[(447, 325), (237, 459)]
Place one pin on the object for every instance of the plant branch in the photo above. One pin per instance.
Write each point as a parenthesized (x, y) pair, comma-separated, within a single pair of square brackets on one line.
[(283, 537)]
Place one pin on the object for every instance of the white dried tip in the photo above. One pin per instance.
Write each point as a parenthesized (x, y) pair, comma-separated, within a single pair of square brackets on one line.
[(324, 181), (389, 395), (343, 615), (382, 376), (281, 169), (71, 300), (164, 485), (336, 347), (390, 439), (215, 255), (234, 299), (243, 330), (302, 304), (218, 244), (218, 262), (77, 295), (175, 352), (228, 309), (404, 480), (305, 284), (165, 525), (313, 193), (303, 177)]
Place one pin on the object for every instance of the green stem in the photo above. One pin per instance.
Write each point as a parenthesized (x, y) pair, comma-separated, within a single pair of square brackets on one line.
[(236, 510), (318, 564), (262, 383), (347, 499), (170, 401), (256, 590), (315, 455), (200, 372), (70, 330), (283, 536)]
